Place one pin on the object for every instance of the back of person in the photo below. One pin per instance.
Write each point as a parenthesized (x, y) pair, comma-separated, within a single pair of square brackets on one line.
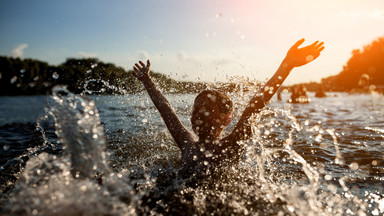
[(212, 112), (205, 157)]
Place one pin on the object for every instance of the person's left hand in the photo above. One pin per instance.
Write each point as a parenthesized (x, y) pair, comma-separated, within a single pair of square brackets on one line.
[(297, 57)]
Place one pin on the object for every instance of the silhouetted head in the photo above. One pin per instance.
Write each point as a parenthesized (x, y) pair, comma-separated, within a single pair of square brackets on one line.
[(212, 111)]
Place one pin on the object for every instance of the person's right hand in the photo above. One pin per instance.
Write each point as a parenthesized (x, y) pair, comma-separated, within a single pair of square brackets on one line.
[(297, 57), (141, 72)]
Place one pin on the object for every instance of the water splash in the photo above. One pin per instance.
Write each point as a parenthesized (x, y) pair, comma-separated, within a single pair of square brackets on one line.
[(77, 182), (274, 177), (339, 158), (105, 85), (78, 128)]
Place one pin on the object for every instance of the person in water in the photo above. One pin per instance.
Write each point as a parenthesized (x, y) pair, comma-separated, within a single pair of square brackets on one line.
[(299, 95), (212, 112)]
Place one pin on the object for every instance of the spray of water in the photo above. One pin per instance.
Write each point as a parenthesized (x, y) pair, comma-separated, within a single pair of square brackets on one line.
[(272, 178)]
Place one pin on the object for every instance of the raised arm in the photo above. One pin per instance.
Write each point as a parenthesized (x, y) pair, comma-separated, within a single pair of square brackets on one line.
[(295, 57), (180, 134)]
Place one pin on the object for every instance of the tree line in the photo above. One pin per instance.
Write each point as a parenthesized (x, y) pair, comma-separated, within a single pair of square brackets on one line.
[(364, 69), (90, 76)]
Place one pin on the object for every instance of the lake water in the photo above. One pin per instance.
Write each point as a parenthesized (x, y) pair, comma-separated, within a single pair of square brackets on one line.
[(112, 155)]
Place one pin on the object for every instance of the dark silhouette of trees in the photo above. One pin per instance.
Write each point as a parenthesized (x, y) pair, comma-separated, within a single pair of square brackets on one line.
[(23, 76), (92, 76), (365, 68), (88, 76)]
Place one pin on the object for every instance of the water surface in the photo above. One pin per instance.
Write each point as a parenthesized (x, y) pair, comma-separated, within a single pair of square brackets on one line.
[(321, 158)]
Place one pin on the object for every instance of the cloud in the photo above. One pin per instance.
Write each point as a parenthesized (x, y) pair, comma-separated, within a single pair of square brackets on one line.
[(18, 51), (87, 55)]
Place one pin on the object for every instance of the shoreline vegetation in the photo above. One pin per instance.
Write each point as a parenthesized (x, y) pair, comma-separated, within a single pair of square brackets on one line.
[(87, 75), (363, 73)]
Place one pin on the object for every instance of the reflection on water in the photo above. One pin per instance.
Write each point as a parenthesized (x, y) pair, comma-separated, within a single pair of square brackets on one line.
[(113, 155)]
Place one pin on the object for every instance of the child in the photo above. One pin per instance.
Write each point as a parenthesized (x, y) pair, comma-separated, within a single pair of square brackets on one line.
[(212, 112)]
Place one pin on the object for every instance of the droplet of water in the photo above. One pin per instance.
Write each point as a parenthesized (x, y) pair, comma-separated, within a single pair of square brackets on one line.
[(83, 188), (35, 212), (328, 177), (291, 208), (32, 84), (354, 166), (13, 79), (375, 212), (55, 75), (6, 147), (208, 154)]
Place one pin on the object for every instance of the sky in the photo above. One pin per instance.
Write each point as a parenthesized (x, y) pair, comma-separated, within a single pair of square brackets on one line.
[(199, 40)]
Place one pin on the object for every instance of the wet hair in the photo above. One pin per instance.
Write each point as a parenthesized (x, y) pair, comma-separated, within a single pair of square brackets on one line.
[(206, 103)]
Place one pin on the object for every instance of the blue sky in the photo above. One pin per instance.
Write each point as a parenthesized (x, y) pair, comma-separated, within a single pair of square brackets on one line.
[(191, 40)]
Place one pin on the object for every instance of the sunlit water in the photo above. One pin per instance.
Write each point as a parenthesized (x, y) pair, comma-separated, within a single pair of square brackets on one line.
[(112, 155)]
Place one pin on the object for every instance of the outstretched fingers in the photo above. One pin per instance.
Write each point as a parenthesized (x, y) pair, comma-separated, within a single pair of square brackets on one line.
[(316, 47), (142, 65), (314, 44), (137, 67), (320, 47), (140, 70), (297, 44)]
